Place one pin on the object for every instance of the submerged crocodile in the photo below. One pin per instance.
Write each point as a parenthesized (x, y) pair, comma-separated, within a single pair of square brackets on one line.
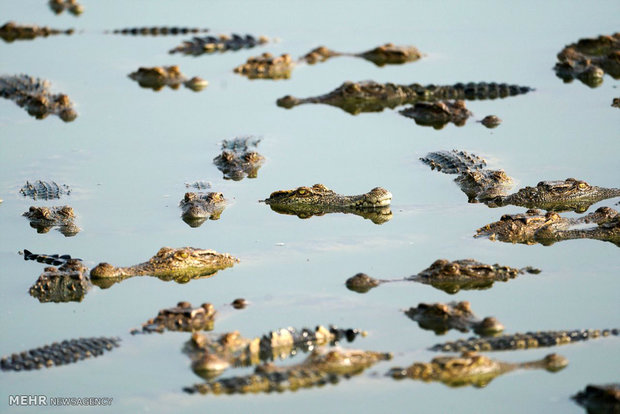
[(471, 368), (44, 218), (441, 317), (182, 317), (238, 158), (380, 56), (589, 59), (448, 276), (478, 183), (59, 6), (199, 185), (211, 356), (369, 96), (158, 31), (267, 66), (537, 227), (600, 399), (540, 339), (491, 121), (222, 43), (44, 190), (51, 259), (305, 202), (178, 264), (198, 207), (67, 283), (319, 368), (159, 76), (34, 95), (566, 195), (65, 352), (11, 31), (615, 103), (438, 114)]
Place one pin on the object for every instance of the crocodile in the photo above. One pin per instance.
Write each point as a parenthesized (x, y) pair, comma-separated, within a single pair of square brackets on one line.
[(198, 207), (478, 183), (566, 195), (159, 76), (540, 339), (322, 366), (178, 264), (51, 259), (441, 317), (183, 318), (267, 66), (44, 190), (305, 202), (438, 114), (380, 55), (11, 31), (212, 355), (222, 43), (44, 218), (448, 276), (471, 368), (238, 159), (239, 303), (67, 283), (65, 352), (34, 95), (370, 96), (59, 6), (537, 227), (589, 59), (600, 399), (491, 121), (158, 31), (615, 103)]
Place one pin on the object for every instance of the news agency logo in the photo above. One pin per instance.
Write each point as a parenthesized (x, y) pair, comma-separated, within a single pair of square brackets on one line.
[(43, 400)]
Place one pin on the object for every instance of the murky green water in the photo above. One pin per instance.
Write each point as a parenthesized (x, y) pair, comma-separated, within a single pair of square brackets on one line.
[(130, 151)]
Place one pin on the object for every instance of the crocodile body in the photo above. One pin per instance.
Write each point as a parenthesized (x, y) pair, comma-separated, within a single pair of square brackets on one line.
[(320, 367), (536, 227), (453, 162), (305, 202), (211, 356), (478, 183), (44, 218), (600, 399), (566, 195), (471, 368), (183, 318), (371, 96), (198, 207), (267, 66), (178, 264), (448, 276), (44, 190), (238, 158), (59, 6), (441, 317), (67, 283), (11, 31), (158, 31), (540, 339), (65, 352), (589, 59), (157, 77), (34, 95), (438, 114), (222, 43)]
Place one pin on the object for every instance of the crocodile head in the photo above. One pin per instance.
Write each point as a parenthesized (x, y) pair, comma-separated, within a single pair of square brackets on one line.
[(180, 264), (569, 194), (391, 54), (197, 207)]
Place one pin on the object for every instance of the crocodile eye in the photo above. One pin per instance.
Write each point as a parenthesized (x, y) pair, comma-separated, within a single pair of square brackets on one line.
[(582, 186)]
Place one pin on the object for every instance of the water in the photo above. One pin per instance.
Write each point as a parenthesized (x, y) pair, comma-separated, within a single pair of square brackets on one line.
[(130, 151)]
